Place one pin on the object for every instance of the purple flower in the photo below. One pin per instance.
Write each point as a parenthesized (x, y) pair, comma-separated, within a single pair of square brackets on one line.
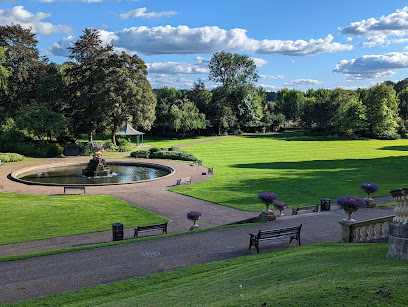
[(369, 187), (280, 205), (267, 197), (193, 215), (350, 201)]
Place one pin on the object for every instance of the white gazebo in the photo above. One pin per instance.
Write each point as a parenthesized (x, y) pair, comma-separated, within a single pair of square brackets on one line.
[(128, 130)]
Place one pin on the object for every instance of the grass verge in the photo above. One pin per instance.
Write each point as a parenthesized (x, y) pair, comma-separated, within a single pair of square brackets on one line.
[(299, 169), (35, 217), (328, 274)]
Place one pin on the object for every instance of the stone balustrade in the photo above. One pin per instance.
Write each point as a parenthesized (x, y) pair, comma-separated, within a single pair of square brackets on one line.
[(374, 230), (401, 205), (398, 238)]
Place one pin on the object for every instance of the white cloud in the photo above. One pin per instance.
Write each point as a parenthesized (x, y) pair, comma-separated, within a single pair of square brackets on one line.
[(60, 48), (176, 68), (299, 47), (259, 62), (348, 88), (377, 30), (162, 80), (372, 66), (185, 40), (141, 13), (18, 15), (301, 82), (269, 87), (271, 77)]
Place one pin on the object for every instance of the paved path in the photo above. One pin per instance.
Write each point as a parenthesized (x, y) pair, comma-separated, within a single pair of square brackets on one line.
[(37, 277), (153, 196)]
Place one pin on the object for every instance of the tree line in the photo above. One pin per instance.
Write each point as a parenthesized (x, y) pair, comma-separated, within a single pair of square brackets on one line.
[(97, 91)]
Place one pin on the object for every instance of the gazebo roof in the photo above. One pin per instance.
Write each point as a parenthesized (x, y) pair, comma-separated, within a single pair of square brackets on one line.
[(128, 130)]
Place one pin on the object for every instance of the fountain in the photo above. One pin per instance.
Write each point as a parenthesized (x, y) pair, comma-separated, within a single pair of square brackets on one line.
[(97, 166)]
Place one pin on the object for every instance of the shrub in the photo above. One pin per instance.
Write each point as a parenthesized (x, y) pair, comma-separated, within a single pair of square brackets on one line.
[(387, 135), (154, 149), (121, 142), (11, 157), (134, 153), (174, 155), (110, 146), (42, 149)]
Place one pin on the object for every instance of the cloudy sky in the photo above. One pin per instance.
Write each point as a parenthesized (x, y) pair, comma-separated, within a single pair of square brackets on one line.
[(296, 44)]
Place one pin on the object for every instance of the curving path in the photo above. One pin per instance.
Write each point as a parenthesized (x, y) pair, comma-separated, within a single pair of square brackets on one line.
[(153, 196)]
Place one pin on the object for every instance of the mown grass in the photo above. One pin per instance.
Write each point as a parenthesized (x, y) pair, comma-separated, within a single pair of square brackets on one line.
[(35, 217), (327, 274), (300, 169)]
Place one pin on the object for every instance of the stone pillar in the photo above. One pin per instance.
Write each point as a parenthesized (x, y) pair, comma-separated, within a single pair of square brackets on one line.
[(346, 232), (398, 233)]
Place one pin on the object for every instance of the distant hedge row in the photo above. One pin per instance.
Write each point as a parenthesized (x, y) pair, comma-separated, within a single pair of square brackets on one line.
[(171, 153), (10, 157)]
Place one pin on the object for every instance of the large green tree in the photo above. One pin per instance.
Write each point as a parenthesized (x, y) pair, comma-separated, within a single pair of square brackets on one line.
[(86, 78), (166, 97), (126, 92), (290, 103), (21, 59), (4, 72), (382, 109), (186, 116), (234, 99), (232, 70)]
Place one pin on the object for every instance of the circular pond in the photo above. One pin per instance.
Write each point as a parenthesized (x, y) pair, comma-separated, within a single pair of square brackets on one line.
[(71, 174)]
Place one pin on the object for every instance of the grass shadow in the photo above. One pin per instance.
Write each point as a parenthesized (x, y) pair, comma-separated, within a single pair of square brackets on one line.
[(299, 137), (397, 148)]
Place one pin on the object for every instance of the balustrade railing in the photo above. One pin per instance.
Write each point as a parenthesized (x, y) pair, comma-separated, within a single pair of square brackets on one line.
[(401, 205), (373, 230)]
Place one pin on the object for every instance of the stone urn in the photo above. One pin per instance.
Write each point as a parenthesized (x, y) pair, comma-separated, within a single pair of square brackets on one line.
[(369, 188), (280, 206), (194, 216), (350, 204), (268, 198)]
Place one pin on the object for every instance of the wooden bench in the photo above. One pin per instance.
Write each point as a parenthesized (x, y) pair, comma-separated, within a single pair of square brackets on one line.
[(183, 180), (154, 227), (211, 170), (263, 235), (313, 208), (198, 162), (74, 188)]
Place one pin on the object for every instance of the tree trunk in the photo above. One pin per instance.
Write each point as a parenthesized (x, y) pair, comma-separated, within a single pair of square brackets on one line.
[(113, 139), (90, 136)]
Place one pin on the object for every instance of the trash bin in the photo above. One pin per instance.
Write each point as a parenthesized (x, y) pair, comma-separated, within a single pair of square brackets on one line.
[(325, 204), (117, 231)]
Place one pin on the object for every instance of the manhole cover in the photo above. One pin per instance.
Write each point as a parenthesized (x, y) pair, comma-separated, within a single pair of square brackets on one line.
[(150, 254)]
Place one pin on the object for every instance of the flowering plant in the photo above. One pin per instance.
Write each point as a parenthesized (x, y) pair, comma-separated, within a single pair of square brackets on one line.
[(193, 215), (267, 197), (369, 188), (280, 205), (350, 202)]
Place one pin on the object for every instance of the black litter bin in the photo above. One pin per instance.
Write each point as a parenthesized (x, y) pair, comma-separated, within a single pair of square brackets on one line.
[(117, 231), (325, 204)]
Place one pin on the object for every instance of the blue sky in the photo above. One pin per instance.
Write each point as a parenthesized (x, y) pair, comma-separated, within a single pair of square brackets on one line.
[(295, 44)]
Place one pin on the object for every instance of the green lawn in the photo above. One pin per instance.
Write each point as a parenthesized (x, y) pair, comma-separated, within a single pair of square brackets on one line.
[(34, 217), (327, 274), (300, 169)]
